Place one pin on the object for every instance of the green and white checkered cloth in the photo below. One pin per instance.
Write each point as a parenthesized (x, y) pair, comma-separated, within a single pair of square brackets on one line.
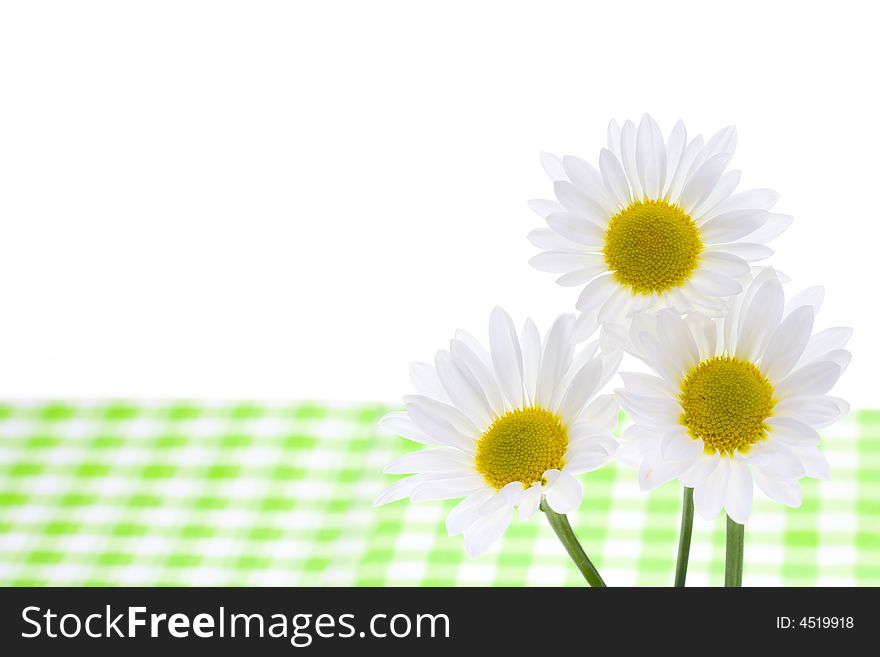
[(256, 494)]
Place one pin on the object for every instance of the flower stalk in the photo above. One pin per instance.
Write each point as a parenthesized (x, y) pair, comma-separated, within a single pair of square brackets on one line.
[(559, 523), (684, 537), (733, 562)]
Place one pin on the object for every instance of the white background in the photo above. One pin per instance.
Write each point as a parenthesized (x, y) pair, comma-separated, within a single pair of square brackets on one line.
[(294, 200)]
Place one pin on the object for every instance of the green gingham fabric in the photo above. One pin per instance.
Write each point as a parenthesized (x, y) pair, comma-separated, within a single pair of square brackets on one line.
[(234, 494)]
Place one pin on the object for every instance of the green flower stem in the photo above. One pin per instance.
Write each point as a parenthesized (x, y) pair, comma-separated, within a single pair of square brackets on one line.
[(684, 537), (733, 564), (566, 535)]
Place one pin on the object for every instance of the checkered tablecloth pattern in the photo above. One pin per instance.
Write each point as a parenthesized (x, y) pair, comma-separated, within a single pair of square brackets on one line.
[(228, 494)]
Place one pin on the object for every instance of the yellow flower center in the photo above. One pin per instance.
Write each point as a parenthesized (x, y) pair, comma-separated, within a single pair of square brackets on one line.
[(726, 403), (521, 446), (652, 246)]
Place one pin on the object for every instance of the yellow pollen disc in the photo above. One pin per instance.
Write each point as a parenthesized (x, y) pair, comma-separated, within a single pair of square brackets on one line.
[(521, 446), (726, 403), (652, 246)]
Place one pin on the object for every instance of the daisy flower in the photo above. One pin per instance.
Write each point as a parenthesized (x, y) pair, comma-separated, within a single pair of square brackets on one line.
[(507, 427), (736, 402), (658, 225)]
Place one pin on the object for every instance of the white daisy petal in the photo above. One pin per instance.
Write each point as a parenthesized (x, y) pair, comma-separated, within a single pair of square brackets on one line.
[(842, 405), (508, 497), (615, 306), (676, 335), (662, 411), (506, 356), (553, 166), (581, 389), (441, 459), (582, 356), (577, 228), (586, 458), (787, 344), (482, 372), (596, 293), (634, 446), (602, 411), (647, 384), (684, 166), (401, 424), (776, 459), (733, 319), (637, 303), (814, 462), (710, 494), (577, 202), (813, 379), (585, 325), (474, 345), (558, 352), (530, 502), (816, 411), (658, 358), (760, 317), (723, 141), (811, 297), (679, 299), (584, 434), (485, 532), (560, 263), (581, 276), (825, 342), (447, 489), (715, 284), (723, 189), (792, 431), (441, 431), (784, 491), (628, 158), (699, 301), (705, 334), (610, 363), (702, 467), (750, 199), (563, 491), (463, 389), (731, 226), (839, 356), (530, 343), (585, 176), (424, 378), (745, 250), (675, 146), (726, 264), (549, 240), (544, 207), (650, 156), (656, 471), (614, 177), (467, 511), (613, 134), (775, 225), (702, 181), (398, 490), (740, 491), (677, 445)]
